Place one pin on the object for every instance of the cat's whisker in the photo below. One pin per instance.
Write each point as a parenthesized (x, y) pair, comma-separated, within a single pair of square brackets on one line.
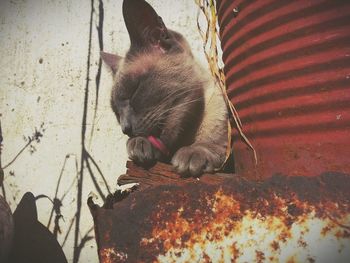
[(177, 93), (179, 106), (171, 96), (164, 103), (150, 117), (155, 118)]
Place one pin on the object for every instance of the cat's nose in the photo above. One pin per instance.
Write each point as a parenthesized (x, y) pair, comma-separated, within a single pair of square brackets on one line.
[(127, 129)]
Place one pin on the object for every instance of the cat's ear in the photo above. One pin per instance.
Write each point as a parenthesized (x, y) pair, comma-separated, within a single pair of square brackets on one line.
[(111, 60), (144, 25)]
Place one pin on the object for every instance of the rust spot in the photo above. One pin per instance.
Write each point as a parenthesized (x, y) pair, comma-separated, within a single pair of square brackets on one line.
[(284, 236), (260, 256), (302, 243), (110, 255), (275, 246), (325, 230), (235, 252), (340, 234)]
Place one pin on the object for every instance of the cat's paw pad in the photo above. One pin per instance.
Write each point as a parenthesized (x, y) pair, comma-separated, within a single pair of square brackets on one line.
[(141, 151), (195, 160)]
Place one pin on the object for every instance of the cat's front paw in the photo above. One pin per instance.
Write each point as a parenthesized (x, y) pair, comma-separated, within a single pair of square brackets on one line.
[(196, 159), (141, 151)]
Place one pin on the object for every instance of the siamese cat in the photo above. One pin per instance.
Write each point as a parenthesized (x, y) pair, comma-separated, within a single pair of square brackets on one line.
[(167, 104)]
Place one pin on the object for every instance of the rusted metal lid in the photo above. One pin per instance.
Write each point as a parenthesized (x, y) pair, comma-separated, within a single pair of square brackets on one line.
[(224, 218)]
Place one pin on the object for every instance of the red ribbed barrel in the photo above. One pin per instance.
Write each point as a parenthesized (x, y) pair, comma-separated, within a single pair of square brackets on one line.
[(287, 68)]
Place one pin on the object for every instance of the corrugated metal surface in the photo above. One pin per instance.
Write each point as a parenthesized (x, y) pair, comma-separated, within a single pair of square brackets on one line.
[(287, 67)]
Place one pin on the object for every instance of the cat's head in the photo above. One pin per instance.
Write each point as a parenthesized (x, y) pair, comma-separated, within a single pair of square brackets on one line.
[(158, 76)]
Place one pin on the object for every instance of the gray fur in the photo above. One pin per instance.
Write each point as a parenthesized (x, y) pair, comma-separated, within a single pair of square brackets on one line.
[(160, 90)]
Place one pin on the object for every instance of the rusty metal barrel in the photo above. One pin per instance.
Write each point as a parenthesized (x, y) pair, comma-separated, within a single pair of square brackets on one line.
[(224, 218), (287, 68)]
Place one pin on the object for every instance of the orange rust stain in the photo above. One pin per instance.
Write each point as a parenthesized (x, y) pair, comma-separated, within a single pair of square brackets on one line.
[(226, 220), (260, 256), (302, 243), (110, 255), (340, 234), (275, 246), (284, 236), (326, 230), (236, 253), (291, 260), (180, 229)]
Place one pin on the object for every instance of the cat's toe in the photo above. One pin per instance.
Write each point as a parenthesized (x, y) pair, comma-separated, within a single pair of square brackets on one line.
[(193, 161), (141, 151), (197, 165)]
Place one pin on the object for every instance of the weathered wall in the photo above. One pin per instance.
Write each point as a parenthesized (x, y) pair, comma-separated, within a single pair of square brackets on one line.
[(43, 59)]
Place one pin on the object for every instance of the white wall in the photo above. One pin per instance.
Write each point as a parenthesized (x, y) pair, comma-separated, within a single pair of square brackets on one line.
[(43, 57)]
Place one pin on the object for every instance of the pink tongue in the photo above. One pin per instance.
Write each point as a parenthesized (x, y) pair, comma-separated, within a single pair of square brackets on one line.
[(158, 144)]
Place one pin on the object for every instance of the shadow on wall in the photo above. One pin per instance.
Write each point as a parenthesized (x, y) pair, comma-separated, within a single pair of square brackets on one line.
[(33, 242)]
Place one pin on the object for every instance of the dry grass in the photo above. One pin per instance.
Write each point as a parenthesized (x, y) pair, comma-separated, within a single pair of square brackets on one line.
[(211, 46)]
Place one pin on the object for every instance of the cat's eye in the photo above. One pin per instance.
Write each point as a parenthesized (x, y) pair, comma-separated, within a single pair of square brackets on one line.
[(134, 91), (135, 88)]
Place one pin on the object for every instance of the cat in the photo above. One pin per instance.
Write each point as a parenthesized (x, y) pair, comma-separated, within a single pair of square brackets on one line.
[(167, 104)]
